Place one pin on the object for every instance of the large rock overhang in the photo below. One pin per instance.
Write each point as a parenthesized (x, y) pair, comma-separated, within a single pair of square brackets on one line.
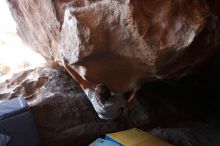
[(120, 42)]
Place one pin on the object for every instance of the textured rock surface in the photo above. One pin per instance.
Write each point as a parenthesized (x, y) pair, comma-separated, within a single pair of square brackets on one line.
[(65, 117), (120, 41), (63, 114), (190, 137)]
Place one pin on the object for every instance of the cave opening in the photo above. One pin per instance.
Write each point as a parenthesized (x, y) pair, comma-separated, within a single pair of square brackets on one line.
[(15, 55)]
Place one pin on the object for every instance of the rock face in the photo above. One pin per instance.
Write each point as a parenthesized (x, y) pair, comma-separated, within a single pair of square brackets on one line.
[(119, 42), (189, 137), (63, 114)]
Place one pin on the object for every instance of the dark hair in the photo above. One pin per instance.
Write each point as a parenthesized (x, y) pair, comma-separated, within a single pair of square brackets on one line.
[(102, 92)]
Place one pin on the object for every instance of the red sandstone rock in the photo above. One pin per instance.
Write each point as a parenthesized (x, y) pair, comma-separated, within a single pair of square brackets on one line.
[(120, 41)]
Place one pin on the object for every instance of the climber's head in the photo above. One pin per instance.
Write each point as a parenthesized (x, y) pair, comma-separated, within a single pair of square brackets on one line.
[(102, 92)]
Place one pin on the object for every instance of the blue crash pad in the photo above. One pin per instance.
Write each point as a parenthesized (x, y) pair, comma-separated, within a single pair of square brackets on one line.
[(12, 107), (16, 121)]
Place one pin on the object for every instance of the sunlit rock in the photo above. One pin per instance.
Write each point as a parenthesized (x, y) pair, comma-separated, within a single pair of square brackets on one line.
[(120, 42)]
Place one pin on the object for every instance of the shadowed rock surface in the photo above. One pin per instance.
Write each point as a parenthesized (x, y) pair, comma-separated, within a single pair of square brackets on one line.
[(120, 41), (189, 137), (63, 114), (187, 110)]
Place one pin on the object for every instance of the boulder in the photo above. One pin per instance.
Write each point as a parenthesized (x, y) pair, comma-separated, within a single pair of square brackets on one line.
[(62, 112), (120, 42), (189, 136), (64, 116)]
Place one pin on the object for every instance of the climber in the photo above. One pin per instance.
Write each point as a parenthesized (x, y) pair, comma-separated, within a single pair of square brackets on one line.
[(105, 104)]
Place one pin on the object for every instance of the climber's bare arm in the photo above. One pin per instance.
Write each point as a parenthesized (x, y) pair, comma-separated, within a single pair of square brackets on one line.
[(84, 84), (132, 97)]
